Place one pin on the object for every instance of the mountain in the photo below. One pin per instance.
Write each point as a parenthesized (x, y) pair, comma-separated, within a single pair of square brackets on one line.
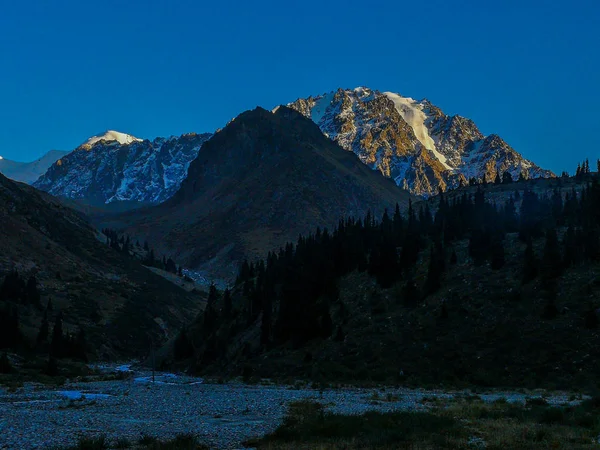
[(258, 183), (481, 293), (413, 142), (114, 167), (28, 172), (119, 303)]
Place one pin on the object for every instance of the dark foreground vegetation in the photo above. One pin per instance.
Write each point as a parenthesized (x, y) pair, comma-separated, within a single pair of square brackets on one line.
[(466, 292), (465, 423), (181, 442)]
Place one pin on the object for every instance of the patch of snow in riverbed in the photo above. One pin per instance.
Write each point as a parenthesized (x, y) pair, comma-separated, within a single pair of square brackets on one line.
[(77, 395)]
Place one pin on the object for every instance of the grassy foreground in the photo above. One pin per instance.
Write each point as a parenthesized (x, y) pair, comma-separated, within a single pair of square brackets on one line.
[(461, 424), (181, 442)]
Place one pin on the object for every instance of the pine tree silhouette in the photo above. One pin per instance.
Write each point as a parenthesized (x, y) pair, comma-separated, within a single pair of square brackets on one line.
[(57, 343), (530, 269), (44, 331), (552, 260)]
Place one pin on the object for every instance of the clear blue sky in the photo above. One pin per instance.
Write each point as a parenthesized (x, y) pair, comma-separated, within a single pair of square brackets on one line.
[(528, 71)]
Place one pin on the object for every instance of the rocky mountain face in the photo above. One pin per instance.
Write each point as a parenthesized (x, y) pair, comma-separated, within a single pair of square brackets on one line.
[(413, 142), (116, 167), (119, 303), (28, 172), (258, 183)]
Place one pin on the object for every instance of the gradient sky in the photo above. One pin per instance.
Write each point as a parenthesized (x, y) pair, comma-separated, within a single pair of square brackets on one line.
[(528, 71)]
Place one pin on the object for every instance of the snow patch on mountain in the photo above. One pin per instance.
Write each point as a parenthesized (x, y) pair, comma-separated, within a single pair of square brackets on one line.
[(412, 113), (111, 135), (320, 108)]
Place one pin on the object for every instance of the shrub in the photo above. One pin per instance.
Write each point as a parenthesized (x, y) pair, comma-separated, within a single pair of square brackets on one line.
[(5, 365), (535, 401)]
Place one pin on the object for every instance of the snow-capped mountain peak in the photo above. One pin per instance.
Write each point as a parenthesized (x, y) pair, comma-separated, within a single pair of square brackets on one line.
[(411, 141), (113, 166), (412, 113), (112, 136)]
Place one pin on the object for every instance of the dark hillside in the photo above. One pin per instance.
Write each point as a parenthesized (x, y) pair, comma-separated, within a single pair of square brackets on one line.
[(53, 264), (477, 293), (258, 183)]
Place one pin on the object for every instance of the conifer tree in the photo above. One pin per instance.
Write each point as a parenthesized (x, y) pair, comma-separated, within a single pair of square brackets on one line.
[(210, 313), (227, 304), (51, 367), (5, 365), (550, 310), (409, 294), (591, 319), (552, 261), (435, 270), (265, 324), (444, 311), (517, 195), (44, 331), (530, 269), (57, 344), (453, 257), (570, 248), (183, 347), (170, 266), (326, 324), (10, 334), (33, 295), (511, 221), (497, 253), (79, 345)]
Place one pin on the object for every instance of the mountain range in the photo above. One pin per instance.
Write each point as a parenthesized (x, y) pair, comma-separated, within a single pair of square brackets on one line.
[(413, 142), (257, 184), (287, 203), (115, 167), (28, 172)]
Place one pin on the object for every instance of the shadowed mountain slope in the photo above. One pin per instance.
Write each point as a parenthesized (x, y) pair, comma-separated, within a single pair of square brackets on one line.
[(119, 303), (258, 183)]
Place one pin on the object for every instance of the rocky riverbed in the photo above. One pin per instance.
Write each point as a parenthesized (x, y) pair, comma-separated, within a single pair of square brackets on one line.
[(221, 415)]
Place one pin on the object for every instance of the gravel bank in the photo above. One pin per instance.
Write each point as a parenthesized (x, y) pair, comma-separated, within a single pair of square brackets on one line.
[(221, 415)]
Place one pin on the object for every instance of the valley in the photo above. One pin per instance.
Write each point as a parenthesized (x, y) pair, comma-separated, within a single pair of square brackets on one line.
[(223, 416), (358, 254)]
